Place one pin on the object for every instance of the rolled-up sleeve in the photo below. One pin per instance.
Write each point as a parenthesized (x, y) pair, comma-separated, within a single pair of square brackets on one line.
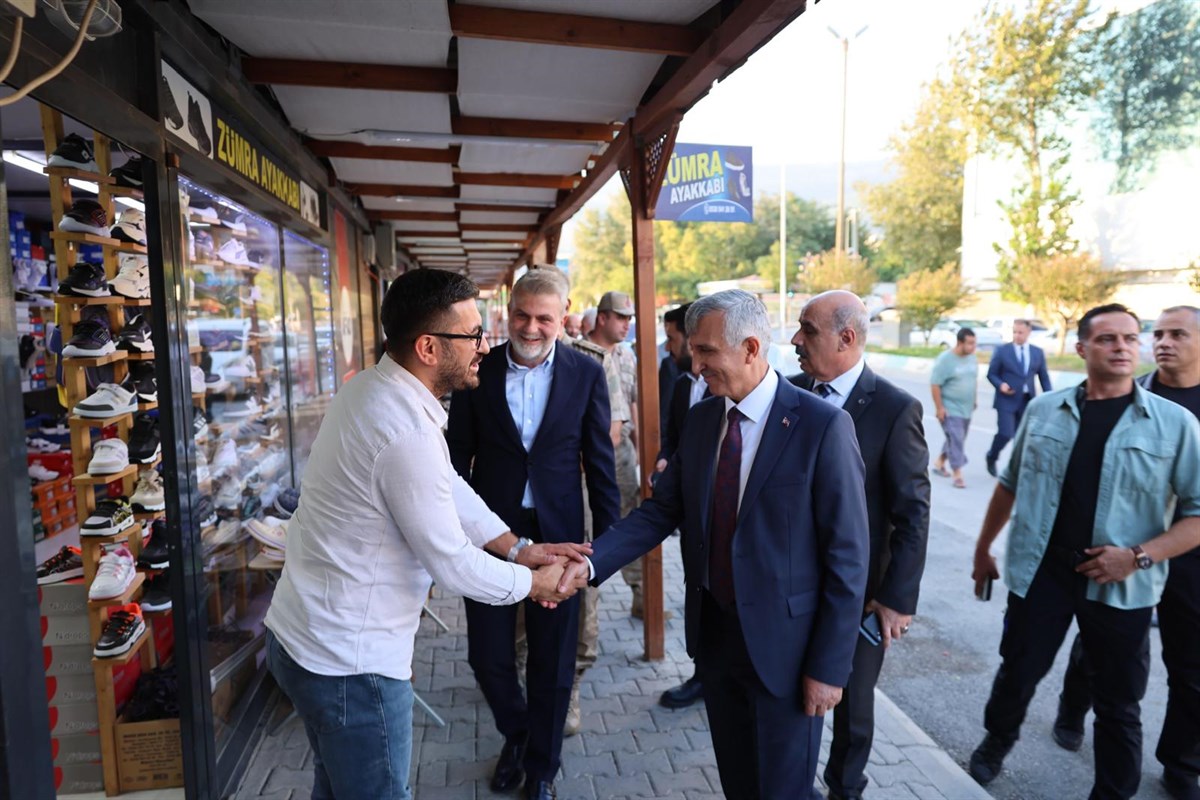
[(413, 475)]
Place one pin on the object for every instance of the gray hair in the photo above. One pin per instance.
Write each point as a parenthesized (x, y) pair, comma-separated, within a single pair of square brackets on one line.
[(588, 317), (1176, 309), (745, 317), (547, 280), (853, 316)]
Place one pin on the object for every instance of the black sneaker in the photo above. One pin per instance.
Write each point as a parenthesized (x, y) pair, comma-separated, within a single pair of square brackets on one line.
[(135, 336), (196, 126), (988, 759), (63, 565), (145, 385), (155, 554), (156, 593), (85, 280), (144, 442), (129, 174), (170, 107), (206, 511), (110, 517), (199, 423), (73, 152), (85, 216), (91, 339), (124, 626)]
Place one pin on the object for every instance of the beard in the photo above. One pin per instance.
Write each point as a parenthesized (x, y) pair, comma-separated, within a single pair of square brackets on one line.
[(531, 351), (685, 364), (454, 374)]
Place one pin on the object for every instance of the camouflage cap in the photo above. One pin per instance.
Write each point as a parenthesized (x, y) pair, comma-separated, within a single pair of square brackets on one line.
[(616, 302)]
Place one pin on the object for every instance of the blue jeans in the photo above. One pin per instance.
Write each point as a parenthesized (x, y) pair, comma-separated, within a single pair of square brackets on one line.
[(359, 726)]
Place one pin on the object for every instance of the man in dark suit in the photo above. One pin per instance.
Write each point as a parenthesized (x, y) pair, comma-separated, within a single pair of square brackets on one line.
[(766, 489), (1013, 370), (519, 438), (887, 422)]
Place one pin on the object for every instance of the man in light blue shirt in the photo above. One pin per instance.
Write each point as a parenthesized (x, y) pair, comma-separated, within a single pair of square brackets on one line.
[(1095, 479)]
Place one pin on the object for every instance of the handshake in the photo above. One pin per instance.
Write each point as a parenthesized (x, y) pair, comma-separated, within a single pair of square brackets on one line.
[(559, 570)]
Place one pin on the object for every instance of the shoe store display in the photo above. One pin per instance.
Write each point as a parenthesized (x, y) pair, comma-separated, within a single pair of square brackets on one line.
[(207, 214), (109, 400), (128, 174), (86, 280), (135, 336), (155, 554), (224, 457), (228, 532), (155, 696), (199, 424), (241, 368), (196, 126), (73, 152), (170, 106), (234, 252), (250, 408), (267, 558), (114, 574), (111, 516), (198, 380), (67, 563), (145, 443), (269, 531), (130, 227), (229, 495), (204, 245), (236, 224), (148, 494), (214, 383), (85, 216), (287, 502), (133, 276), (39, 445), (109, 456), (145, 384), (39, 473), (156, 594), (124, 627), (206, 512), (91, 339)]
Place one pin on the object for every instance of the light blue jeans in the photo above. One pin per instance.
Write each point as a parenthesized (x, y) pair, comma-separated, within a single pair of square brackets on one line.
[(359, 726)]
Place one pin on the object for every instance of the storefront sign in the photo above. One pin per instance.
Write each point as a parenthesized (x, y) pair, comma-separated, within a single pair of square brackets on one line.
[(708, 183)]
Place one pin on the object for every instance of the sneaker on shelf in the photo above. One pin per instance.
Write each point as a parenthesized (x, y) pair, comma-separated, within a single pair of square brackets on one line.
[(266, 533), (224, 456), (114, 574), (145, 384), (39, 473), (85, 216), (252, 451), (59, 428), (250, 408), (197, 376), (112, 515), (267, 558), (109, 400), (234, 252), (148, 494), (128, 174), (214, 383), (196, 126), (287, 502), (199, 424), (171, 109), (229, 494), (251, 505), (270, 466), (237, 224), (228, 532), (85, 280), (124, 627), (205, 249), (135, 336), (260, 257), (156, 594), (109, 456), (73, 152), (155, 554), (133, 276), (67, 563), (243, 367), (91, 339), (206, 512), (206, 214), (130, 227), (40, 445)]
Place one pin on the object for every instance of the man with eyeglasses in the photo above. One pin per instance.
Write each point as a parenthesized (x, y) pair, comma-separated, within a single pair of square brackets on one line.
[(539, 413), (383, 513)]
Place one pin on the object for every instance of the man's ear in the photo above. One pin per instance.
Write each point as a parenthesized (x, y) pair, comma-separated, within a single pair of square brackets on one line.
[(425, 350)]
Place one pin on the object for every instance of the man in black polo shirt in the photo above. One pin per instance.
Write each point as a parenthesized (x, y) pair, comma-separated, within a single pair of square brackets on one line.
[(1177, 355)]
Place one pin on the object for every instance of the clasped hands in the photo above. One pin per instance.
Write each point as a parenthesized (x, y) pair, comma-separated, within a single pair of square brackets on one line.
[(556, 570)]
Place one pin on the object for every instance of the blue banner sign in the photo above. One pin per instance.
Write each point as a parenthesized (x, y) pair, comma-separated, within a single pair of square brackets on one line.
[(708, 183)]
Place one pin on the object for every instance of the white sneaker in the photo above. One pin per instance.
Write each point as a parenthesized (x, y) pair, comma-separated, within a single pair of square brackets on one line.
[(108, 456), (229, 495), (234, 252), (237, 225), (149, 492), (225, 456), (271, 535), (133, 278), (248, 409), (227, 532), (40, 445), (109, 400), (197, 375), (241, 368), (114, 574), (40, 473), (206, 214)]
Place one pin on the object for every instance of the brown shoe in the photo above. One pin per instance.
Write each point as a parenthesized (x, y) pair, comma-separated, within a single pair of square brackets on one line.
[(574, 716)]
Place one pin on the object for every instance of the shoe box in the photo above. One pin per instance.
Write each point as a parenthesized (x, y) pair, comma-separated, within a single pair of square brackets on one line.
[(163, 626), (78, 779), (55, 500), (66, 599)]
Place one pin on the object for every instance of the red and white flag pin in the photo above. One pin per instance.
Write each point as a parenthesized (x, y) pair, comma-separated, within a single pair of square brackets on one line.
[(786, 422)]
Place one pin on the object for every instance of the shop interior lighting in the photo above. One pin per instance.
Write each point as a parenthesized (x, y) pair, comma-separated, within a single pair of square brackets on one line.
[(26, 163)]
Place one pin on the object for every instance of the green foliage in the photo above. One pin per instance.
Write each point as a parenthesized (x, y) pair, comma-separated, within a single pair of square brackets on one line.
[(603, 253), (835, 270), (1040, 218), (1064, 286), (926, 296)]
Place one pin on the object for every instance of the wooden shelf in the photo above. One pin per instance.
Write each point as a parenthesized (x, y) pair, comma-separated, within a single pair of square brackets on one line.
[(133, 531), (138, 301), (150, 516), (127, 656), (72, 300), (97, 422), (79, 174), (147, 406), (103, 480), (129, 247), (122, 191), (84, 238), (122, 598), (151, 465), (98, 361), (137, 355)]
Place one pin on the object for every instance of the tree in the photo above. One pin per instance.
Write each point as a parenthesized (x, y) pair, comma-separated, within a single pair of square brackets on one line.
[(923, 297), (1064, 286), (603, 253), (1040, 221), (834, 270), (920, 210)]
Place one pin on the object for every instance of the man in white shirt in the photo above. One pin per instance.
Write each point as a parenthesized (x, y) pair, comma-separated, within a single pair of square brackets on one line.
[(382, 511)]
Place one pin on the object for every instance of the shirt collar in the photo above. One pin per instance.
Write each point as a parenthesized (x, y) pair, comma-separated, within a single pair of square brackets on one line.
[(844, 384), (548, 363), (757, 404), (396, 373), (1075, 400)]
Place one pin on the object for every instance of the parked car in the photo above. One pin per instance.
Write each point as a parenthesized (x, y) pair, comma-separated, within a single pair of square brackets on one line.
[(945, 334)]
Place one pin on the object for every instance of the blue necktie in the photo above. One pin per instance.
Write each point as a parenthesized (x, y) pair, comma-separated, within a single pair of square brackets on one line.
[(1021, 358), (725, 511), (824, 390)]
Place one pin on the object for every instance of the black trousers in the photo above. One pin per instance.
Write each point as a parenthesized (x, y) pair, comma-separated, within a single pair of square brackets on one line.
[(854, 725), (1007, 422), (550, 672), (1117, 645), (1179, 624), (766, 746)]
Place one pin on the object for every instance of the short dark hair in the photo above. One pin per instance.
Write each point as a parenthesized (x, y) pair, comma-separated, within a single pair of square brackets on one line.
[(1025, 322), (963, 333), (1085, 322), (418, 301), (677, 316)]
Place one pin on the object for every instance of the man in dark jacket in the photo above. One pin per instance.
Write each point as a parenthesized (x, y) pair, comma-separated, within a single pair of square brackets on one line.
[(1013, 371)]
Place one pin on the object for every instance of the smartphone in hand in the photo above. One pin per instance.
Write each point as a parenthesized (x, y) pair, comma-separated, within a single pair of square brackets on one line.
[(870, 630), (985, 593)]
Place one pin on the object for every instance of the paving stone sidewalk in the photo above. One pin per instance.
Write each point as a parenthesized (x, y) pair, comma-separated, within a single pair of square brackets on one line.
[(630, 747)]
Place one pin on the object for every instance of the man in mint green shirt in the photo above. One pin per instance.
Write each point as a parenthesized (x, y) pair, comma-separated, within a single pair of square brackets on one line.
[(954, 383), (1097, 475)]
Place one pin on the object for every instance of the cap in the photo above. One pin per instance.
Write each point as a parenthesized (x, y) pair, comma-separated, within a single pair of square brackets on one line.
[(616, 302)]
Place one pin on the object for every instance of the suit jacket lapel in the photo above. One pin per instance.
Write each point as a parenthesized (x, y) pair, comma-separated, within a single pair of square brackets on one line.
[(496, 384), (562, 382), (780, 422), (860, 395), (708, 460)]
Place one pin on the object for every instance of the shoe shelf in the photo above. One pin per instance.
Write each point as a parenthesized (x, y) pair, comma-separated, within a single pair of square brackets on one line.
[(124, 597), (123, 191), (128, 247), (85, 423), (97, 361), (72, 300), (150, 464), (195, 349), (107, 663), (67, 173), (148, 406), (139, 356), (150, 516), (103, 480), (136, 301), (72, 237)]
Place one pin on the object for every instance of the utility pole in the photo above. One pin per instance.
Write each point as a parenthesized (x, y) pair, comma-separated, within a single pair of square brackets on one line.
[(840, 234), (783, 259)]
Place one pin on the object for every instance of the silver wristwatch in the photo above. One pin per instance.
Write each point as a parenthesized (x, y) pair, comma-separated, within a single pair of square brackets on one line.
[(513, 551)]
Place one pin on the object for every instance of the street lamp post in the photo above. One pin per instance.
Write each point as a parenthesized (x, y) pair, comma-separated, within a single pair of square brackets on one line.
[(840, 234)]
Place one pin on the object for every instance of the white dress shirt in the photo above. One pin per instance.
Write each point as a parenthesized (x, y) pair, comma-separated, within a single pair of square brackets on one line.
[(527, 390), (697, 389), (841, 386), (381, 505), (754, 407)]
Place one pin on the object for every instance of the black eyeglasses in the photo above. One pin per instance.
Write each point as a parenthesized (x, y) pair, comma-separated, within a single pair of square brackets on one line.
[(477, 336)]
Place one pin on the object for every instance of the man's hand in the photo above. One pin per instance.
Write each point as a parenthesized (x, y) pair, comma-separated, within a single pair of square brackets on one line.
[(1109, 564), (1006, 389), (574, 577), (985, 567), (893, 624), (545, 584), (820, 698), (659, 466), (941, 414), (541, 555)]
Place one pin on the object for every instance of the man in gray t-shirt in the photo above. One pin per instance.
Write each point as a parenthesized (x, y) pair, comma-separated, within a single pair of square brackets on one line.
[(954, 383)]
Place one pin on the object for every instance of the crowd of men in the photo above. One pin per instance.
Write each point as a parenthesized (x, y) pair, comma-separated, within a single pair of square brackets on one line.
[(802, 505)]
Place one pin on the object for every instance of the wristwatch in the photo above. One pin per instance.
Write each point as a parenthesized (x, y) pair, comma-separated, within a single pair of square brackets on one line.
[(1140, 558), (513, 551)]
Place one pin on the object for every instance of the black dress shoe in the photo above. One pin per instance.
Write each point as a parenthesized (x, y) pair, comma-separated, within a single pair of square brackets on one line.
[(683, 695), (540, 790), (1068, 728), (988, 759), (991, 467), (1180, 785), (509, 771)]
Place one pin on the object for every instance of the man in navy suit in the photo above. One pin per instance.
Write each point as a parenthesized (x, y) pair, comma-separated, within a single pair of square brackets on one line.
[(539, 411), (1012, 371), (766, 489)]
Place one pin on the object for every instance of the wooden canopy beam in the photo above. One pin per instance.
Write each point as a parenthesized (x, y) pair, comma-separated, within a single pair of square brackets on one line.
[(496, 226), (525, 179), (514, 25), (516, 209), (533, 129), (428, 235), (395, 190), (323, 148), (414, 216), (343, 75)]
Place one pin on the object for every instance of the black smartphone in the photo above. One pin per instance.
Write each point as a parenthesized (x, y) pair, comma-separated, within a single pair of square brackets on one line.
[(869, 629), (985, 593)]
